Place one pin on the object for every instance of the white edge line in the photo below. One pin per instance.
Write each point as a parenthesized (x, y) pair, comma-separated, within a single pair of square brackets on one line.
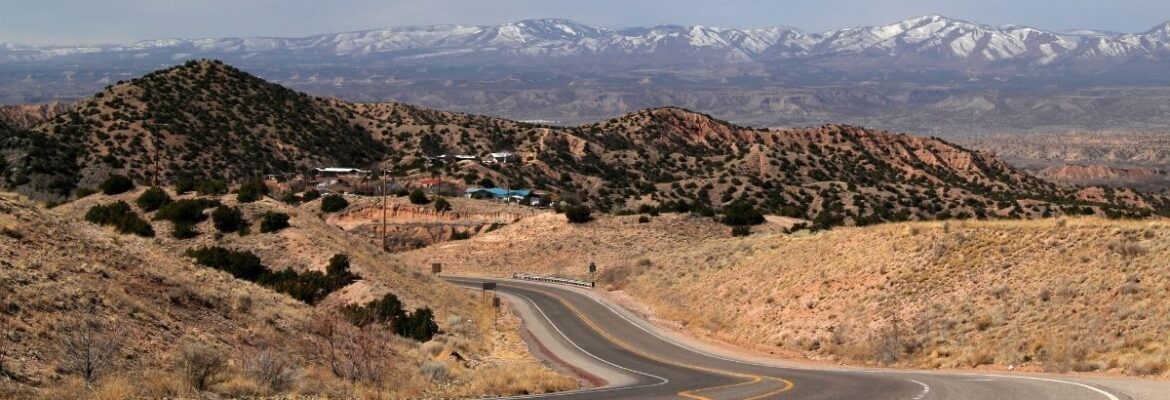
[(662, 381), (925, 390), (1107, 395)]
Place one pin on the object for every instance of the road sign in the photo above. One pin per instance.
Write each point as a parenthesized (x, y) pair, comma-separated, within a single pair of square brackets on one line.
[(436, 268), (496, 302), (489, 286), (592, 267)]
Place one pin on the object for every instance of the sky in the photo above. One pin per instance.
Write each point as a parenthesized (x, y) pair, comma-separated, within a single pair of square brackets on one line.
[(46, 22)]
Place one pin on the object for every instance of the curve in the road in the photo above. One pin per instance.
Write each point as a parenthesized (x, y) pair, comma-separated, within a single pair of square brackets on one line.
[(785, 385), (663, 368)]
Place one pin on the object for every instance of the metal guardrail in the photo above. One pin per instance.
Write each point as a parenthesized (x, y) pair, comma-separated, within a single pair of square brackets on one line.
[(551, 279)]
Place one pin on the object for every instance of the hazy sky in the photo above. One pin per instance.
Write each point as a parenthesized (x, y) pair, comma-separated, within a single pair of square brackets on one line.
[(104, 21)]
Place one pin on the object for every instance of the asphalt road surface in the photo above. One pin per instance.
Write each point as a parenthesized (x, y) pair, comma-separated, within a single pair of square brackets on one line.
[(631, 359)]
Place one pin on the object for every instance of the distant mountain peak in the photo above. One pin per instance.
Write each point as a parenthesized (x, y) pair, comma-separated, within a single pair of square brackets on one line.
[(1161, 31), (925, 43), (556, 28)]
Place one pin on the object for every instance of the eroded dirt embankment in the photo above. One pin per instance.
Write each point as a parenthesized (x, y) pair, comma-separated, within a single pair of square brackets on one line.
[(410, 226)]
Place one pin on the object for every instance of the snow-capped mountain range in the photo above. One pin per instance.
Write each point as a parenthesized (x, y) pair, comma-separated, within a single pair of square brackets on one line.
[(930, 41)]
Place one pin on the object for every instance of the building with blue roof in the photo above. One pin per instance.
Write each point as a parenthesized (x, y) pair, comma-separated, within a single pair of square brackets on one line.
[(497, 193)]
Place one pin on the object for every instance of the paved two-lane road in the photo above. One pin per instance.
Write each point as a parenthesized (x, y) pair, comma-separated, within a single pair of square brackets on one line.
[(640, 361)]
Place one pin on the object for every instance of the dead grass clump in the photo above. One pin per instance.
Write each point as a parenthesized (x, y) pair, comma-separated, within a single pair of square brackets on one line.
[(435, 371), (519, 380), (1000, 291), (615, 277), (110, 387), (202, 365), (67, 389), (322, 383), (1045, 295), (272, 370), (158, 384), (240, 387), (1063, 356), (980, 356), (1127, 249), (1147, 365)]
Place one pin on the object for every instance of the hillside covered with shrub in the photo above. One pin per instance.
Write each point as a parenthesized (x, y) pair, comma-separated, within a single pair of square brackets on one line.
[(206, 119), (88, 304)]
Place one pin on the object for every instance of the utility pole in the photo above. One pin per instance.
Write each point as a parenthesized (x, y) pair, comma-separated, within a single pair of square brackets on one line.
[(496, 312), (155, 152), (383, 185)]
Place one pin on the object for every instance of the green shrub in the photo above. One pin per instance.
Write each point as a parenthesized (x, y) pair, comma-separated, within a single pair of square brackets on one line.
[(333, 203), (121, 217), (273, 222), (184, 184), (419, 325), (211, 187), (227, 219), (739, 213), (442, 205), (116, 184), (152, 199), (643, 219), (387, 310), (310, 195), (418, 197), (290, 198), (309, 287), (240, 264), (251, 191), (578, 214), (189, 211), (338, 265), (312, 286), (85, 192)]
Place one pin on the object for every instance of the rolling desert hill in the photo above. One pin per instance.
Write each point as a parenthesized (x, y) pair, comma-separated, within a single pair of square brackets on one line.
[(1068, 294), (208, 119), (61, 271), (27, 116), (1134, 159)]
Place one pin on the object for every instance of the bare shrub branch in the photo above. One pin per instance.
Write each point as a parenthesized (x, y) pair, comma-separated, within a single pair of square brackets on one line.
[(90, 347), (202, 365)]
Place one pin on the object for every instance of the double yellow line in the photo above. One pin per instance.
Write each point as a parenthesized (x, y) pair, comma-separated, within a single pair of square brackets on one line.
[(786, 385)]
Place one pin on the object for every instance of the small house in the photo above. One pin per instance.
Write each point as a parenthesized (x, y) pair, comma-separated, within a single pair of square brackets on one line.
[(502, 157), (333, 172), (437, 186), (486, 193), (519, 196)]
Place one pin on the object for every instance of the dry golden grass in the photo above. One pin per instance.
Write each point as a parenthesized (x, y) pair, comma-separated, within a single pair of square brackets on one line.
[(56, 270), (1058, 295)]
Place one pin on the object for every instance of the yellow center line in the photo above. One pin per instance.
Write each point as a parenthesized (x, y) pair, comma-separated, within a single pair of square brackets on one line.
[(752, 379)]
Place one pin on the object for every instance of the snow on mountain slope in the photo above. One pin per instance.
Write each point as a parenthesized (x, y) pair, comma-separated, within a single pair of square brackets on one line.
[(927, 39)]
